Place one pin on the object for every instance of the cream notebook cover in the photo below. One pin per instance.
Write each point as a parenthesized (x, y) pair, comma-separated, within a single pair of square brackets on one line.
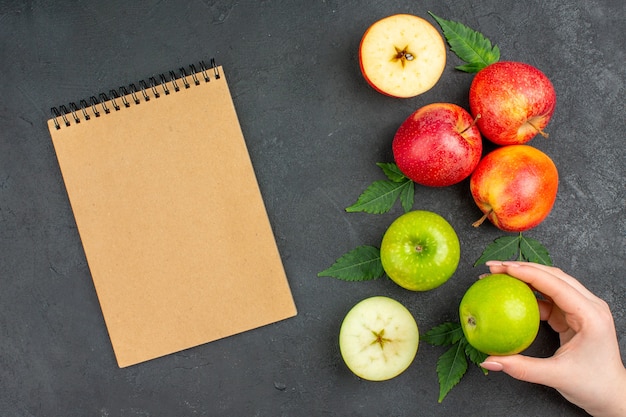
[(170, 215)]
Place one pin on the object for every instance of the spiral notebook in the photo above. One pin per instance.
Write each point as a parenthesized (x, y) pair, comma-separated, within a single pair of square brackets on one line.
[(170, 214)]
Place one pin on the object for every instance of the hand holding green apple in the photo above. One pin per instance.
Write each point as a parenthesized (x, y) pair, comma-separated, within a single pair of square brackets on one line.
[(587, 369)]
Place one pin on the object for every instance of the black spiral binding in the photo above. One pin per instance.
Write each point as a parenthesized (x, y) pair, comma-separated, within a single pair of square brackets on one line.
[(125, 96)]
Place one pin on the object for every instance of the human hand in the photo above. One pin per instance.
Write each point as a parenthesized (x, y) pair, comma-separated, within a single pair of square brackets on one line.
[(587, 369)]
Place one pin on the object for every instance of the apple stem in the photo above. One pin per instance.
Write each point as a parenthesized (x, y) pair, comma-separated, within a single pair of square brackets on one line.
[(471, 125), (541, 132), (482, 219)]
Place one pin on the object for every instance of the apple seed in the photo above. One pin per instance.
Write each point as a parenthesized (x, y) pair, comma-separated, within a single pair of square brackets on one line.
[(403, 55)]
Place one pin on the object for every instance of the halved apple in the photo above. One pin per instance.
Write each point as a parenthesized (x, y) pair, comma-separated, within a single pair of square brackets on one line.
[(378, 338), (402, 55)]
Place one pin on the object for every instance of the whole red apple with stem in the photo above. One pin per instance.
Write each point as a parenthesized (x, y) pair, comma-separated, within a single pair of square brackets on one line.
[(515, 187), (515, 102), (438, 145)]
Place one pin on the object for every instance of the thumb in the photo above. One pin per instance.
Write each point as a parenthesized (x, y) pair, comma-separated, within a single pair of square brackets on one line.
[(524, 368)]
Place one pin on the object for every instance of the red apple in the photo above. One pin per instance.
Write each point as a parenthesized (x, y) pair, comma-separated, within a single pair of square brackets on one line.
[(515, 187), (515, 101), (402, 55), (438, 145)]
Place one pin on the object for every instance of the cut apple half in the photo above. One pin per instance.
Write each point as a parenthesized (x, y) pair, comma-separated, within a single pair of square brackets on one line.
[(402, 55), (378, 338)]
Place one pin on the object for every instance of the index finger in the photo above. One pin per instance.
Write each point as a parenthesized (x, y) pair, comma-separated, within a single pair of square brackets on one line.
[(568, 298), (563, 276)]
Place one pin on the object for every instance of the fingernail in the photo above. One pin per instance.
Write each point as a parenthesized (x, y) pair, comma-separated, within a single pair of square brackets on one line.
[(493, 263), (492, 366), (481, 276), (510, 263)]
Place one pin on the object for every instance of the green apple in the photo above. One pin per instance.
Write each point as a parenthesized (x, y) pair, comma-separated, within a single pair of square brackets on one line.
[(378, 338), (499, 315), (420, 250)]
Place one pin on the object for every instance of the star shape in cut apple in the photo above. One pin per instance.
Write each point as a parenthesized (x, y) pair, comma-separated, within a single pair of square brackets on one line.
[(402, 55), (379, 338)]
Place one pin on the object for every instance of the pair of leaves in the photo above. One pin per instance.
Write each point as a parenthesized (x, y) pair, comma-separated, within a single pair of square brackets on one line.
[(469, 45), (363, 263), (518, 247), (380, 196), (453, 364)]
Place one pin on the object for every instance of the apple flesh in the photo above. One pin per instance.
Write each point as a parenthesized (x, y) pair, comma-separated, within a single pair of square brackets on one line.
[(402, 55), (378, 338), (515, 102), (499, 315), (515, 187), (438, 145), (420, 251)]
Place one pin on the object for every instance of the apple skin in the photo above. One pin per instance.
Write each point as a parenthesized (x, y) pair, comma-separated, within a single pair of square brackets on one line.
[(499, 315), (378, 338), (384, 47), (420, 250), (515, 187), (515, 101), (438, 145)]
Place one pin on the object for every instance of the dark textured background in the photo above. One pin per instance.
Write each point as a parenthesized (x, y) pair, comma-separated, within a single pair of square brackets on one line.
[(315, 131)]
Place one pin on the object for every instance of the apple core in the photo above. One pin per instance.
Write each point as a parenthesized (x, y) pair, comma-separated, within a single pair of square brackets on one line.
[(378, 338)]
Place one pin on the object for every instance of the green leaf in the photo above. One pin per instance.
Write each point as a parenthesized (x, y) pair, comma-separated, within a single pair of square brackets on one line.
[(407, 196), (360, 264), (475, 356), (521, 247), (471, 68), (451, 366), (444, 334), (380, 196), (469, 45), (392, 171), (502, 249), (532, 250)]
